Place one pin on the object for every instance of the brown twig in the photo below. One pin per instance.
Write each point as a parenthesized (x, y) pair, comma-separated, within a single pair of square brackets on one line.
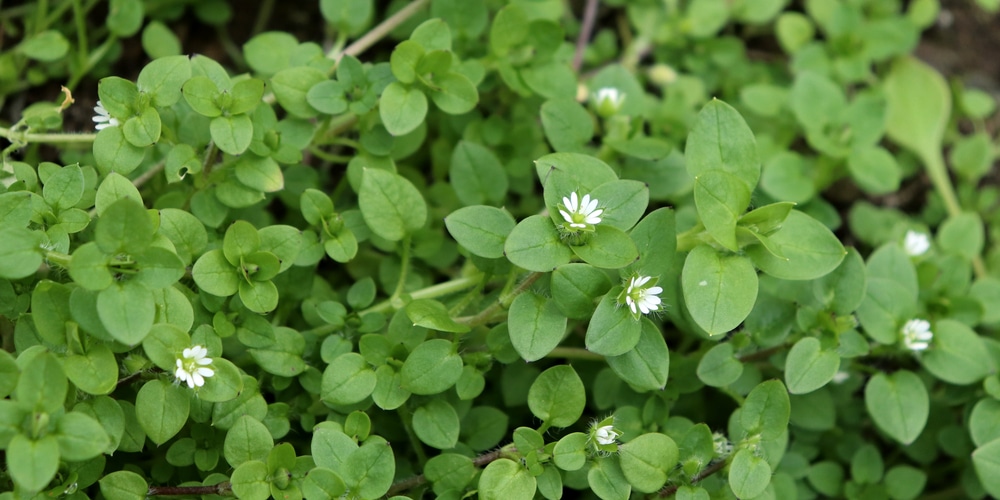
[(712, 469), (479, 461), (589, 17), (214, 489)]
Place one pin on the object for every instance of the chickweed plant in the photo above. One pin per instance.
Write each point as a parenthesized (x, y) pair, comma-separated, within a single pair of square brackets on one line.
[(505, 249)]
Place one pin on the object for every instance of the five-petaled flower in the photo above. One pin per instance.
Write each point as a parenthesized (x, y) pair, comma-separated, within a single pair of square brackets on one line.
[(641, 295), (608, 101), (580, 214), (917, 334), (916, 243), (103, 118), (192, 366), (606, 435)]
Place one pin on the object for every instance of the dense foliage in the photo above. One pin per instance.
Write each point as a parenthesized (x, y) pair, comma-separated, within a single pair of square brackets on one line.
[(691, 248)]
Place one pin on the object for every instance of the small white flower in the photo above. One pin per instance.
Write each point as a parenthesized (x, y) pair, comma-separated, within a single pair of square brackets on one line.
[(841, 377), (608, 101), (191, 367), (640, 298), (917, 334), (606, 435), (103, 118), (580, 213), (916, 243)]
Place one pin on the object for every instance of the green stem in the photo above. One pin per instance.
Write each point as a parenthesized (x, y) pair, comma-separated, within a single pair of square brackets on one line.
[(11, 135), (380, 31), (438, 290), (938, 173), (404, 269), (501, 304), (81, 33), (577, 353), (57, 258), (691, 238), (40, 14)]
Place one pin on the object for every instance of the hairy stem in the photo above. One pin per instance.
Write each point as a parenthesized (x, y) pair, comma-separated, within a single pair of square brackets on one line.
[(502, 303), (938, 173), (404, 269), (8, 134)]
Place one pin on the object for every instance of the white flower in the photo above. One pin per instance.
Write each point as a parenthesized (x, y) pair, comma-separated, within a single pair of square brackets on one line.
[(606, 435), (916, 243), (917, 334), (722, 447), (103, 118), (841, 377), (192, 369), (639, 297), (608, 100), (580, 214)]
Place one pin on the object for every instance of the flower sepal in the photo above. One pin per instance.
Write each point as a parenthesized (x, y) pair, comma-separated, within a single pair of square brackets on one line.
[(604, 436), (640, 295)]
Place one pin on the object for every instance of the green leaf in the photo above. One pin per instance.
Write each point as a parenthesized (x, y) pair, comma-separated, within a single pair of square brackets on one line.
[(96, 372), (113, 188), (450, 471), (535, 245), (404, 59), (369, 470), (766, 410), (535, 325), (402, 108), (719, 367), (567, 125), (436, 424), (158, 268), (32, 463), (259, 173), (50, 311), (984, 421), (906, 483), (214, 274), (899, 404), (962, 234), (647, 459), (454, 94), (125, 226), (481, 230), (348, 380), (721, 199), (504, 479), (64, 188), (127, 311), (327, 97), (957, 354), (80, 437), (721, 140), (250, 481), (885, 306), (245, 95), (557, 396), (391, 205), (291, 86), (919, 128), (575, 287), (125, 17), (323, 484), (749, 475), (124, 485), (607, 248), (809, 366), (21, 253), (816, 100), (143, 130), (570, 453), (433, 315), (608, 481), (47, 46), (341, 247), (115, 154), (612, 330), (15, 208), (316, 206), (431, 368), (232, 134), (202, 94), (433, 34), (719, 290), (844, 288), (162, 409), (247, 440), (624, 202), (476, 174), (164, 77), (645, 367), (509, 29), (810, 250), (874, 170), (259, 296)]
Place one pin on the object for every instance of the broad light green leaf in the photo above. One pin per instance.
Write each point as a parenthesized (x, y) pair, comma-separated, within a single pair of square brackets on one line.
[(962, 234), (647, 365), (613, 330), (215, 275), (899, 404), (608, 481), (984, 421), (809, 366), (576, 286), (113, 153), (436, 424), (124, 485), (567, 125), (874, 169), (719, 366), (607, 248), (810, 250), (721, 140), (143, 130), (80, 436), (247, 440), (47, 46), (749, 474), (535, 245), (164, 77), (113, 188), (250, 481), (402, 108), (125, 226), (347, 380), (557, 396), (260, 173), (32, 463), (766, 410), (391, 205), (42, 385), (370, 469), (535, 325), (476, 174), (433, 315), (162, 409), (232, 134), (454, 93), (291, 85), (127, 311), (21, 254), (647, 460), (919, 106), (957, 354), (505, 479), (95, 372), (719, 290), (655, 238), (64, 188), (481, 230), (431, 368)]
